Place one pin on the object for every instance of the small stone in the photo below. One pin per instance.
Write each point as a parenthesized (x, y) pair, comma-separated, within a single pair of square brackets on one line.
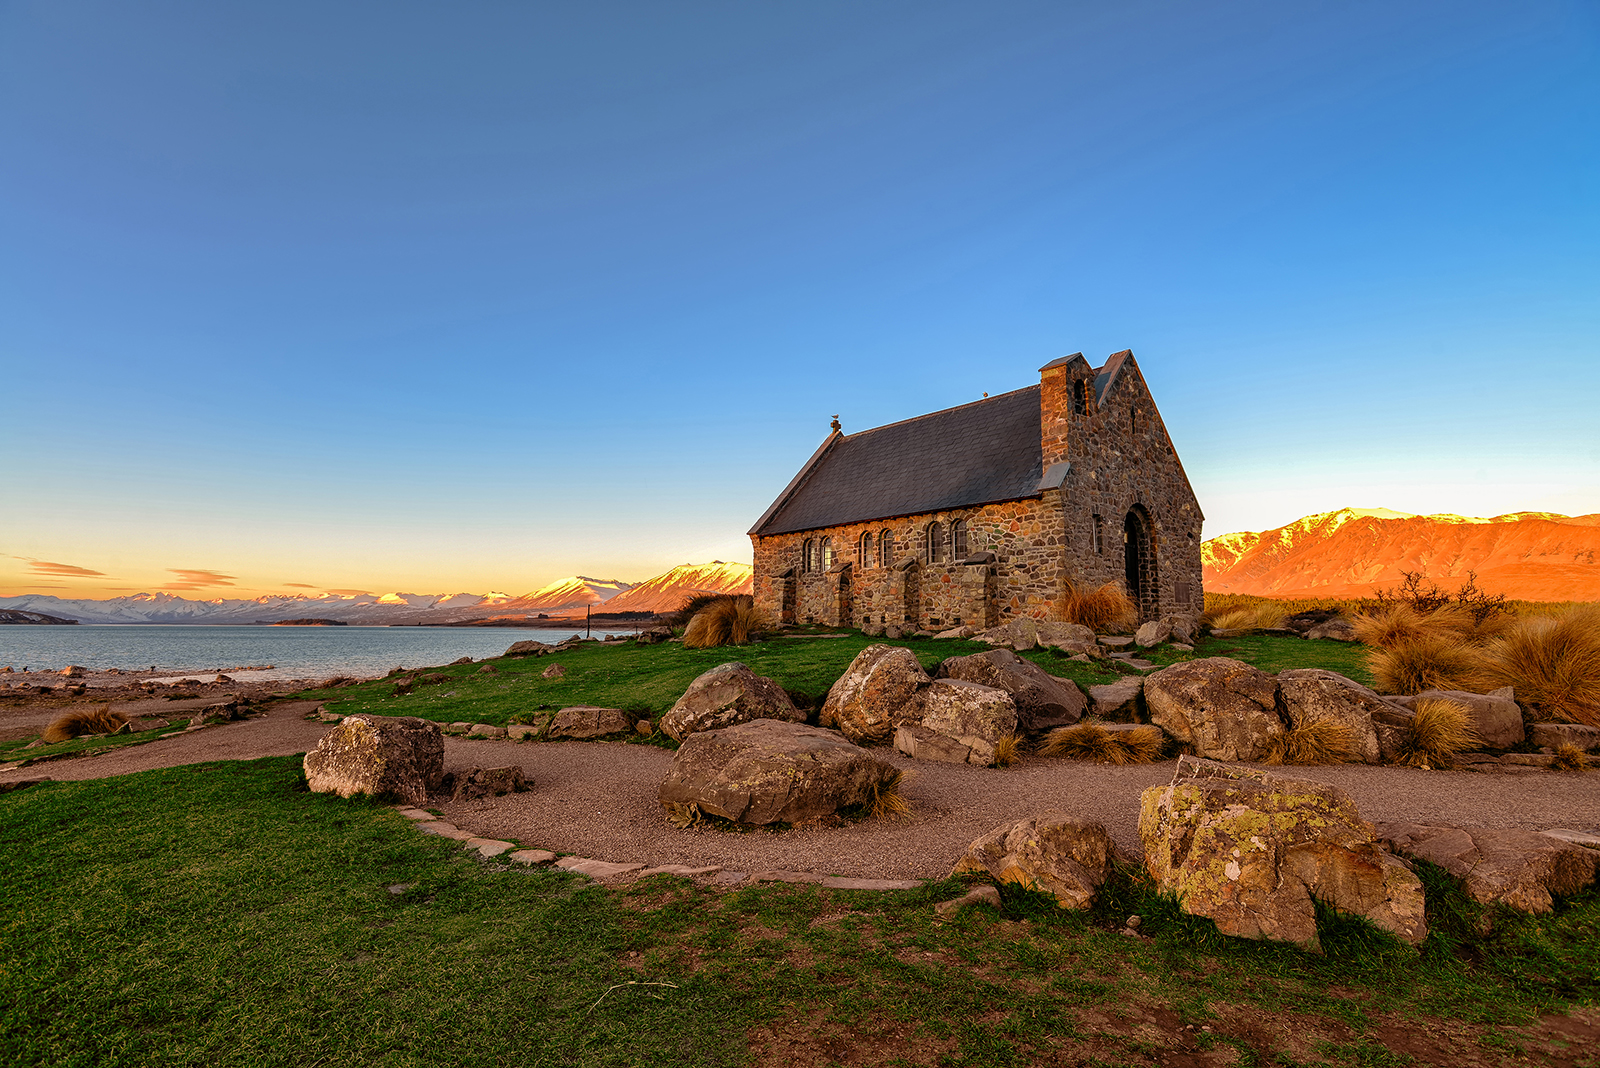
[(487, 730), (834, 882), (597, 869), (456, 728), (978, 895), (554, 671), (444, 830), (399, 888), (521, 732), (729, 878), (645, 727), (1581, 838), (411, 813), (532, 856), (681, 870), (488, 847), (1134, 922)]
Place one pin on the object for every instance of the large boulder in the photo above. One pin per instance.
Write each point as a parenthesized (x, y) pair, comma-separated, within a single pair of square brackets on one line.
[(879, 691), (1222, 708), (725, 695), (1152, 633), (1521, 869), (1495, 716), (770, 771), (1043, 701), (1120, 702), (976, 716), (587, 721), (529, 648), (399, 756), (920, 743), (1053, 852), (1313, 695), (1254, 852)]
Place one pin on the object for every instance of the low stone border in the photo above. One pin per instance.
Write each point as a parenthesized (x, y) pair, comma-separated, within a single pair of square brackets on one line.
[(608, 872)]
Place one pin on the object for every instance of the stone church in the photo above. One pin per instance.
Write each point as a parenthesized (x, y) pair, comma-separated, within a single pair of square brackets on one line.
[(982, 513)]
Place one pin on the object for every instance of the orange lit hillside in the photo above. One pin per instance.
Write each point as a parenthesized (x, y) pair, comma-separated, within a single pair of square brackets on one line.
[(1534, 556)]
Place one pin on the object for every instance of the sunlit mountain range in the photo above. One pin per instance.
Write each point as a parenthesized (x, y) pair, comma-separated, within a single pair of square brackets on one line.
[(1535, 556), (570, 595)]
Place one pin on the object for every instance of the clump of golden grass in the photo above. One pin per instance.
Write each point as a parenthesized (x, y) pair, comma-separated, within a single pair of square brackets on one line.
[(1440, 730), (887, 801), (1396, 624), (1554, 664), (1570, 758), (1007, 750), (1430, 661), (1107, 606), (724, 621), (77, 724), (1320, 741), (1262, 615), (1091, 741)]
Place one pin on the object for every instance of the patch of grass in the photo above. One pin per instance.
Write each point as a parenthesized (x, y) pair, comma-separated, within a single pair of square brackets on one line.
[(1554, 663), (220, 914), (1091, 741), (18, 749), (1260, 615), (85, 721), (1440, 730), (1320, 741), (724, 621), (1273, 653), (1570, 758), (1008, 750), (1100, 608), (1431, 661)]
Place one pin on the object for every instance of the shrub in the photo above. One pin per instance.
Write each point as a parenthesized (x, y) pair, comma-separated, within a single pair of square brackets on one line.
[(77, 724), (1090, 740), (1440, 730), (1554, 663), (1262, 615), (1321, 741), (724, 621), (1424, 596), (1007, 750), (1437, 661), (690, 609), (1098, 609)]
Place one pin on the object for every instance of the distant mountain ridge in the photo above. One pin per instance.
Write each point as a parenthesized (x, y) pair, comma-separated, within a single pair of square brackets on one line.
[(1350, 552), (571, 594)]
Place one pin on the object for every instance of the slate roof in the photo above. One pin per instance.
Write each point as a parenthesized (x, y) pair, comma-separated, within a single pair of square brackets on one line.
[(978, 453)]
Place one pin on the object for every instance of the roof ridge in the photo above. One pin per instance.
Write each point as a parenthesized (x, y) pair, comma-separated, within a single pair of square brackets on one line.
[(941, 411)]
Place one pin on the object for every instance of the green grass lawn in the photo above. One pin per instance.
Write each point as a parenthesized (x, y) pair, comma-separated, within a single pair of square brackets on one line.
[(219, 914), (647, 679)]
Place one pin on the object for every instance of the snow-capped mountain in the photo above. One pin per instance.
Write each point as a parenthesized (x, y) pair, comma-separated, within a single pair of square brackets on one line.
[(666, 593), (1536, 556), (575, 591)]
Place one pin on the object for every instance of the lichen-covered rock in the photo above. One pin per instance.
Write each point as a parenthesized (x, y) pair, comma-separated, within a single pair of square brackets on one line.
[(725, 695), (1312, 694), (1120, 702), (490, 782), (1495, 716), (976, 716), (770, 771), (587, 721), (920, 743), (1223, 708), (1251, 851), (879, 691), (1521, 869), (379, 756), (1042, 700), (1054, 852)]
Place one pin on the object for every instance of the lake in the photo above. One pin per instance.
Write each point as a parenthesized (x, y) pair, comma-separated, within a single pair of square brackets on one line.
[(294, 652)]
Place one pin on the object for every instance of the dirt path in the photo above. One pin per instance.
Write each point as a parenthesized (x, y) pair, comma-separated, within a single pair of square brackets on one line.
[(599, 799)]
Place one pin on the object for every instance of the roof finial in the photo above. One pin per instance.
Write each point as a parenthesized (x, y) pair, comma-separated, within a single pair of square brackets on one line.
[(835, 423)]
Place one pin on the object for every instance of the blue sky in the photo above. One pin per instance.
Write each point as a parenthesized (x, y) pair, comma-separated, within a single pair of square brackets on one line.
[(425, 297)]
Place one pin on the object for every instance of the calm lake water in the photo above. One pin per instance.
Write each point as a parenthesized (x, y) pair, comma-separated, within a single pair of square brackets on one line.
[(294, 652)]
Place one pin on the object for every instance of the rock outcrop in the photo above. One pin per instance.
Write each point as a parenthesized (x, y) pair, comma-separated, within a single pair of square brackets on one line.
[(1042, 700), (770, 771), (920, 743), (1118, 702), (489, 782), (1223, 708), (1054, 852), (379, 756), (1521, 869), (725, 695), (880, 690), (1313, 695), (1252, 851), (1495, 716), (975, 716)]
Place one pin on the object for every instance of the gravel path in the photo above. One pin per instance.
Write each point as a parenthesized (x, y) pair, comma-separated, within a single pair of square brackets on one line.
[(599, 800)]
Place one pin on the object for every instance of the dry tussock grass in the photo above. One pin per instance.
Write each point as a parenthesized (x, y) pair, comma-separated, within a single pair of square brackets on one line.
[(724, 621), (1091, 741), (887, 801), (1321, 741), (1553, 662), (77, 724), (1431, 661), (1262, 615), (1098, 609), (1440, 730), (1570, 758), (1007, 751)]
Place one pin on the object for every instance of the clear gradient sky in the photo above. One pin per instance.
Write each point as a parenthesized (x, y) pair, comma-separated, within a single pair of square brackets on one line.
[(465, 297)]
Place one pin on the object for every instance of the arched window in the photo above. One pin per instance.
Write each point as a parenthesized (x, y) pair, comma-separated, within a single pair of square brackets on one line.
[(864, 553), (827, 553), (885, 549), (958, 537), (935, 543), (808, 555), (1078, 405)]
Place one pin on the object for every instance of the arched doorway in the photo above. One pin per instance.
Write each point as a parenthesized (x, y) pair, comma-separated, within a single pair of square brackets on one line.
[(1139, 562)]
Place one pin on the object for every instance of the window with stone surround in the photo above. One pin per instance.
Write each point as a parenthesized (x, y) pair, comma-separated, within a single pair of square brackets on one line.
[(1096, 542), (935, 543), (958, 539), (1080, 397), (885, 549), (827, 553), (1133, 422), (808, 555), (864, 553)]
